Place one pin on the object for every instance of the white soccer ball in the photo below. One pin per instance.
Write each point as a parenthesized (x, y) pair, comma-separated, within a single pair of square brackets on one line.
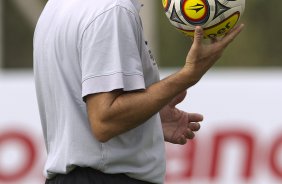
[(217, 17)]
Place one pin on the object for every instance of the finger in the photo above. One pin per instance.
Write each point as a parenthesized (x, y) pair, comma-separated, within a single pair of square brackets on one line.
[(189, 134), (195, 117), (232, 35), (232, 30), (182, 140), (198, 36), (194, 126)]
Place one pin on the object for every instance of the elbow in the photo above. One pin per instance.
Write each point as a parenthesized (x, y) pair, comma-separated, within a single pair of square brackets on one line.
[(101, 132), (102, 137)]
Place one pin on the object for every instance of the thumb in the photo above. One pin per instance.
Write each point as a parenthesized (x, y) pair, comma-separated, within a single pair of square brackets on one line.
[(198, 36)]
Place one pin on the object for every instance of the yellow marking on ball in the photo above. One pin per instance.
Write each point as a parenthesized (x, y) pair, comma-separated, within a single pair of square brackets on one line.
[(165, 3), (195, 9), (222, 28), (219, 29)]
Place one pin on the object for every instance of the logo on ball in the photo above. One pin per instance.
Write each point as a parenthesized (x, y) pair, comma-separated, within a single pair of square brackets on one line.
[(195, 12)]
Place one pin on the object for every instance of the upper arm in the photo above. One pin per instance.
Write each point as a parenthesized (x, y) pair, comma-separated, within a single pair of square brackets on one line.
[(110, 53)]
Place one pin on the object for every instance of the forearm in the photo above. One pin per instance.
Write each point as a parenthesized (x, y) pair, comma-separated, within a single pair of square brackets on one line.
[(137, 107), (129, 110)]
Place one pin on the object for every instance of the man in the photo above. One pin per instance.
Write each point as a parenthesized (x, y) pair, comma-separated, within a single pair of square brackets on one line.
[(100, 96)]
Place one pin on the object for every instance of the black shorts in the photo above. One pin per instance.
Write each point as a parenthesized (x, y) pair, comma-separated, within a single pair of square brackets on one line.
[(91, 176)]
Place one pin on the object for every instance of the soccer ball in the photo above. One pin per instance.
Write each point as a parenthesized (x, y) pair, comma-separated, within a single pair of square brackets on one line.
[(217, 17)]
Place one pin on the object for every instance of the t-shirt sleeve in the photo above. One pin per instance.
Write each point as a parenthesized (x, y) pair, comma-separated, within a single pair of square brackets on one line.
[(110, 53)]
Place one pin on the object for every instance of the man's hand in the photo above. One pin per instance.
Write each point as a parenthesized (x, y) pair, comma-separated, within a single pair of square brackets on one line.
[(202, 57), (178, 126)]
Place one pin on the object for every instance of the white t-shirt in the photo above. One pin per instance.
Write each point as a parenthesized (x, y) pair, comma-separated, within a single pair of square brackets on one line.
[(83, 47)]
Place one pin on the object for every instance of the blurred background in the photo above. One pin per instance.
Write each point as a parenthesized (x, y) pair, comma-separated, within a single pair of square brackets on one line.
[(240, 140)]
